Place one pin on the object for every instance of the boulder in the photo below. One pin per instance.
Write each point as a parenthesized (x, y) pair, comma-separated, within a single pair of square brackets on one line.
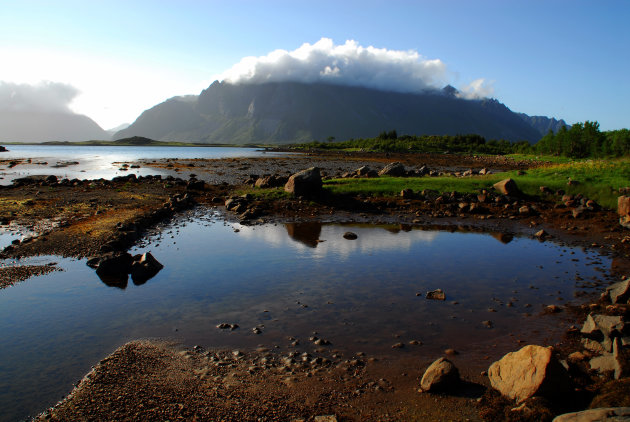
[(507, 187), (441, 375), (623, 209), (531, 371), (270, 182), (350, 236), (406, 193), (305, 183), (618, 292), (144, 267), (395, 169), (612, 414)]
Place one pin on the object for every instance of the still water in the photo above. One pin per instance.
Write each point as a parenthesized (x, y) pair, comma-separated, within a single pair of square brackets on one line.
[(289, 280), (95, 162)]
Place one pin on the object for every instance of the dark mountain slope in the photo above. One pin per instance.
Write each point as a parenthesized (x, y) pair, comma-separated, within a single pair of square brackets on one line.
[(293, 112)]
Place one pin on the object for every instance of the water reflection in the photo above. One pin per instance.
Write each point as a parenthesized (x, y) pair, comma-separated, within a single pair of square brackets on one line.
[(504, 238), (305, 233)]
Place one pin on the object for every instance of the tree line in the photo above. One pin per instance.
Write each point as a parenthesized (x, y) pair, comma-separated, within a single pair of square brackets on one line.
[(581, 140)]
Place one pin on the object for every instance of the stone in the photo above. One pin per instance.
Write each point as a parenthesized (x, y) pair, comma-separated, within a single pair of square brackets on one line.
[(441, 375), (437, 294), (623, 209), (350, 236), (608, 362), (618, 292), (541, 234), (395, 169), (406, 193), (305, 183), (530, 371), (484, 171), (114, 263), (507, 187), (601, 329), (612, 414), (270, 182), (144, 267)]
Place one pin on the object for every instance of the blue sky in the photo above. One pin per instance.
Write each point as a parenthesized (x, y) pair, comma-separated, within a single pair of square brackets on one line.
[(566, 59)]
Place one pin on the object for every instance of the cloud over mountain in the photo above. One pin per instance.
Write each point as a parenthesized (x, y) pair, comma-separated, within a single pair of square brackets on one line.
[(348, 64), (41, 97)]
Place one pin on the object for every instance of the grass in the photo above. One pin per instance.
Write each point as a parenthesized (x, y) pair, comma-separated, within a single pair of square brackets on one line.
[(598, 180)]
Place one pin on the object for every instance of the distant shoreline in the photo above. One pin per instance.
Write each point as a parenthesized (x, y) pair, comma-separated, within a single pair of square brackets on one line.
[(135, 144)]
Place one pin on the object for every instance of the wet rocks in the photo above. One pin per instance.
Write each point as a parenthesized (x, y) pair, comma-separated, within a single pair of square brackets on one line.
[(112, 263), (507, 187), (350, 236), (305, 183), (395, 169), (437, 294), (227, 326), (532, 370), (441, 375), (595, 415), (541, 235)]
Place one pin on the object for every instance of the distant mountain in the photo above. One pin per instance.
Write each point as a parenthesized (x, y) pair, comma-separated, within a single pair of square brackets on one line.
[(117, 128), (544, 124), (40, 126), (288, 112)]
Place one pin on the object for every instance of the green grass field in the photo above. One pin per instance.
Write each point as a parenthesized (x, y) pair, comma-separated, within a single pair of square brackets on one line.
[(598, 180)]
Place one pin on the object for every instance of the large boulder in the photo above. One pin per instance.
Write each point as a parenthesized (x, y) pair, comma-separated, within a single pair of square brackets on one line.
[(507, 187), (531, 371), (395, 169), (305, 183), (441, 375), (611, 414), (623, 209)]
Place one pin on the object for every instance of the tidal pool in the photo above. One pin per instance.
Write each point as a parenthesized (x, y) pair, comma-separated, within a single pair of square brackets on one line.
[(291, 280)]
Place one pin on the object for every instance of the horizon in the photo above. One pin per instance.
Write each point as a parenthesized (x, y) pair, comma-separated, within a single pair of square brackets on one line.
[(111, 61)]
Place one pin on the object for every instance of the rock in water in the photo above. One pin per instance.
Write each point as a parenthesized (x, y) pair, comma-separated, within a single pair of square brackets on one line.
[(530, 371), (437, 294), (441, 375), (114, 263), (612, 414), (144, 267), (350, 236), (305, 183), (507, 187)]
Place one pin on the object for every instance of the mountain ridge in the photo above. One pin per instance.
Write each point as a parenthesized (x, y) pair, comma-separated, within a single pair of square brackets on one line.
[(288, 112)]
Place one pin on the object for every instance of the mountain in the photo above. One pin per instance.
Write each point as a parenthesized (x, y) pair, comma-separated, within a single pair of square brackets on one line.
[(117, 128), (42, 126), (544, 124), (286, 112)]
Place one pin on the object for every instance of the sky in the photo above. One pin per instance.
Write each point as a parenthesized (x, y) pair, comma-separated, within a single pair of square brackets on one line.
[(111, 60)]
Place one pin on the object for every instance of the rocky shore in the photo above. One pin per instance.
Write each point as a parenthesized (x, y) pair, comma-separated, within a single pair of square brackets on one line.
[(143, 380)]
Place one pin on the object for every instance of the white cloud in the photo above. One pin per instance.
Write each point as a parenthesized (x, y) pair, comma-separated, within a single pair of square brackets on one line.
[(479, 88), (347, 64), (43, 96)]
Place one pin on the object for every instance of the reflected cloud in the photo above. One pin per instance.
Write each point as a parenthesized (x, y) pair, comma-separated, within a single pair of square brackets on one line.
[(324, 239)]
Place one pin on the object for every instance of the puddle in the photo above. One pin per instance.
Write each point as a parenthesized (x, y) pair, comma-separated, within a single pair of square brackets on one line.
[(291, 281)]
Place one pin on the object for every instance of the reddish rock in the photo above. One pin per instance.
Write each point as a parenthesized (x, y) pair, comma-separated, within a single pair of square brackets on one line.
[(507, 187)]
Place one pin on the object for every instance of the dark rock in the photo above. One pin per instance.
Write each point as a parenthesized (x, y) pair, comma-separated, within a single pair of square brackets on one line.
[(114, 263), (612, 414), (144, 267), (437, 294), (350, 236)]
